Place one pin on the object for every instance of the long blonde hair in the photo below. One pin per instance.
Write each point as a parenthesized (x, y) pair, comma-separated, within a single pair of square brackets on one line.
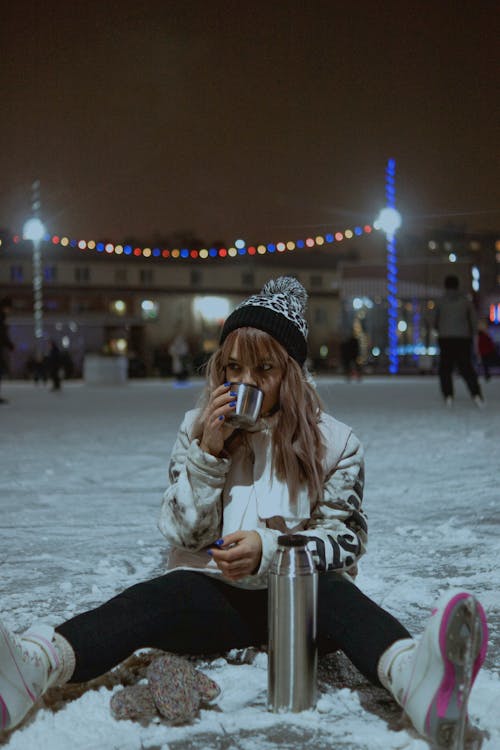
[(297, 445)]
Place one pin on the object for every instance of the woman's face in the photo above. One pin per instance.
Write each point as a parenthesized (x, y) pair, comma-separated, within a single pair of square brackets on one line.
[(266, 374)]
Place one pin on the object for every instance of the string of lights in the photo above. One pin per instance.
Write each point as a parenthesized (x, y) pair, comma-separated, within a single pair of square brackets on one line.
[(238, 249)]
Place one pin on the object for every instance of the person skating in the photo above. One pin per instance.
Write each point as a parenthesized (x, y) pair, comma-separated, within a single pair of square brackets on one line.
[(54, 365), (456, 323), (6, 345), (179, 352), (232, 493), (486, 350), (349, 354)]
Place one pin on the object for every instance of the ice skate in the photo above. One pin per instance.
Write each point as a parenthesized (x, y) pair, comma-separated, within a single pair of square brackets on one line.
[(29, 665), (432, 678)]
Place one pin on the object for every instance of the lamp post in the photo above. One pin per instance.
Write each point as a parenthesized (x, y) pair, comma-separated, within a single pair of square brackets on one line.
[(389, 221), (34, 231)]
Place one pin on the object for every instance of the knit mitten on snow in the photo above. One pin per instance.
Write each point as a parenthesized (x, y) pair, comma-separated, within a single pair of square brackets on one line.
[(175, 691), (134, 702)]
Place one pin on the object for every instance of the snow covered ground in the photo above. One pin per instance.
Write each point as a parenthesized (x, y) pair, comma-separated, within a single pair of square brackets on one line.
[(81, 477)]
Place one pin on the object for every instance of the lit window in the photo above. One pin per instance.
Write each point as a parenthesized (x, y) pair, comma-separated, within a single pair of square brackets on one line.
[(211, 309), (118, 346), (118, 307), (149, 309)]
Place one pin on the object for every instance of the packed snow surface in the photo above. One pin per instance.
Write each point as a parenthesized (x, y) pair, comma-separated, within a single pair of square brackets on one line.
[(82, 474)]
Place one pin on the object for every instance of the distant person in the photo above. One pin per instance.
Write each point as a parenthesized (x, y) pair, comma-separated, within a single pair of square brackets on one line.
[(6, 345), (35, 368), (40, 371), (486, 349), (456, 323), (54, 364), (67, 364), (179, 351), (349, 355)]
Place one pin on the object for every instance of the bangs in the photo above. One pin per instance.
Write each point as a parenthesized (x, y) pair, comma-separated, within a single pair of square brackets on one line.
[(254, 346)]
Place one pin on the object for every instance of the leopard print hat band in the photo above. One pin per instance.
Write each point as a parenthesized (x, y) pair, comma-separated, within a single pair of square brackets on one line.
[(278, 310)]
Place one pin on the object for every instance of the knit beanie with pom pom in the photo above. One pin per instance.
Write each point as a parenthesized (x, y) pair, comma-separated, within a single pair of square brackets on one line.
[(279, 311)]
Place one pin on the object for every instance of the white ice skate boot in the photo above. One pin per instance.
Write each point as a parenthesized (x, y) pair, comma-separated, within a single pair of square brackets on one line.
[(29, 664), (432, 678)]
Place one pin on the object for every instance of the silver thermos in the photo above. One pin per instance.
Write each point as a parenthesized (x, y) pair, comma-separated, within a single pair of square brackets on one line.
[(292, 614)]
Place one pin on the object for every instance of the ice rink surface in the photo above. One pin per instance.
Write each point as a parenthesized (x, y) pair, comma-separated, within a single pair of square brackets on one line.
[(82, 475)]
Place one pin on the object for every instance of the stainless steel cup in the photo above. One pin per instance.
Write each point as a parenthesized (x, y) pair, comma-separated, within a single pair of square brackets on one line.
[(248, 404)]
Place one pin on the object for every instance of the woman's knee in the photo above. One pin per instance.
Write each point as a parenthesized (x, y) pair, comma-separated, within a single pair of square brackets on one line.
[(340, 604), (178, 583), (333, 585)]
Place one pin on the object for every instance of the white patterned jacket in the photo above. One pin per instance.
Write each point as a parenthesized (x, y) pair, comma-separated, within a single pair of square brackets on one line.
[(209, 497)]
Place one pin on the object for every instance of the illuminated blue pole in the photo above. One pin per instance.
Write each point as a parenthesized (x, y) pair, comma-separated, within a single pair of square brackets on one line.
[(392, 269), (389, 221), (416, 330)]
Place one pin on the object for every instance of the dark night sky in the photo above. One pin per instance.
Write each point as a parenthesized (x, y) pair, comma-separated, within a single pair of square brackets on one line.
[(263, 119)]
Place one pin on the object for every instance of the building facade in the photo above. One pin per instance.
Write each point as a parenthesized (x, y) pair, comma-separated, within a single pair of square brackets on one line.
[(133, 306), (99, 302)]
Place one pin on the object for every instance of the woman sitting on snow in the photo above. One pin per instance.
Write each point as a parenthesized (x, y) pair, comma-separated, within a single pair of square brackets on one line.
[(232, 493)]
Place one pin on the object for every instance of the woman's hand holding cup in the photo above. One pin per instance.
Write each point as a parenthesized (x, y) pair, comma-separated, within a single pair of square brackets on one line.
[(216, 429)]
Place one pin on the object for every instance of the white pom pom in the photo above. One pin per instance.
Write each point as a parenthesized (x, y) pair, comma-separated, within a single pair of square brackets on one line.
[(288, 285)]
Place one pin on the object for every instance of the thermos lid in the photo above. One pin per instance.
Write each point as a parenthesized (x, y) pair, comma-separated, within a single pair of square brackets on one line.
[(292, 540)]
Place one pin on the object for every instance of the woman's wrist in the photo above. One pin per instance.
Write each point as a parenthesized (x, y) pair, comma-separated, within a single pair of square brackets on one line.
[(206, 449)]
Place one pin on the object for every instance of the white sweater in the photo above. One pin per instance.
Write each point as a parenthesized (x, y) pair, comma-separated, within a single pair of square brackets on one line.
[(209, 497)]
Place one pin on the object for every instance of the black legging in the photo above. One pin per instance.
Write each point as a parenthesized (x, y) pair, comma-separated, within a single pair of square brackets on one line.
[(457, 352), (194, 613)]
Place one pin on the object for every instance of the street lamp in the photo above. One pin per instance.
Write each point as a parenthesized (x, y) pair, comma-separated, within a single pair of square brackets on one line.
[(389, 221), (34, 231)]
